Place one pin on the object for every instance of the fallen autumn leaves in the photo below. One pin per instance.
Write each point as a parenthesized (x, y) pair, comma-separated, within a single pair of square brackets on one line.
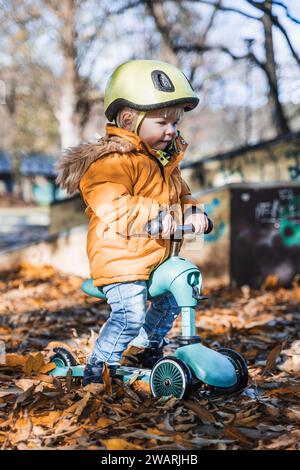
[(41, 308)]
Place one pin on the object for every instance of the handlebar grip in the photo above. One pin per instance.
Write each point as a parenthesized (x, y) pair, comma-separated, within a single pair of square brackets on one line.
[(154, 227), (210, 226)]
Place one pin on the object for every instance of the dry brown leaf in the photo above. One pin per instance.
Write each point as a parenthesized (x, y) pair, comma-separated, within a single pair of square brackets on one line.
[(104, 422), (22, 430), (272, 410), (68, 378), (58, 344), (203, 414), (234, 433), (167, 403), (24, 396), (272, 356), (29, 364), (271, 281), (281, 442), (47, 420), (155, 431), (43, 377), (284, 390), (133, 378), (36, 272), (294, 414), (15, 360), (246, 420), (95, 388), (183, 441), (38, 361), (64, 425), (9, 391), (166, 425), (292, 362), (185, 427), (141, 388), (24, 384), (119, 444), (78, 407), (107, 379)]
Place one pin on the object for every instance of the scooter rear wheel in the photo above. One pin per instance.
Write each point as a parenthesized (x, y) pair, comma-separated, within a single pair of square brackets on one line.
[(170, 377), (63, 358)]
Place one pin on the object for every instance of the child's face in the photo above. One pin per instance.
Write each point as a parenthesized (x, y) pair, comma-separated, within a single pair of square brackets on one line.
[(159, 127)]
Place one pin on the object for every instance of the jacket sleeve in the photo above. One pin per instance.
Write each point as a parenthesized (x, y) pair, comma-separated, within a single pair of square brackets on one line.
[(187, 201), (107, 188), (186, 194)]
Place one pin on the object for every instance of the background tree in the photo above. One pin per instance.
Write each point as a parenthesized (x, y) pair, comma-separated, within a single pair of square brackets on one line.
[(57, 56)]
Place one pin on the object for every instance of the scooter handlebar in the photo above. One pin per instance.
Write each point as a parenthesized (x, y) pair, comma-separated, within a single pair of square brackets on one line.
[(154, 227)]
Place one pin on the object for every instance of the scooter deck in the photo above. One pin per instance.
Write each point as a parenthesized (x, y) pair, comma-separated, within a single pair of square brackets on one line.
[(123, 373)]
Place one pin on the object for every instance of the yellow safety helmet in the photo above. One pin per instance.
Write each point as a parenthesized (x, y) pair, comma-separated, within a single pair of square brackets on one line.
[(147, 84)]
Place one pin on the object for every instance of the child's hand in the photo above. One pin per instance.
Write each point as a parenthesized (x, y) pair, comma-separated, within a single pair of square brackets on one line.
[(169, 225), (199, 221)]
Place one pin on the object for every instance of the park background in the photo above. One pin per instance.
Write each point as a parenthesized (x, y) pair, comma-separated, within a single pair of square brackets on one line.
[(243, 162)]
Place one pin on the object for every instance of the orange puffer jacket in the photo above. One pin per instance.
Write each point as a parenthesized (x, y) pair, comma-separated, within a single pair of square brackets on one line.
[(124, 186)]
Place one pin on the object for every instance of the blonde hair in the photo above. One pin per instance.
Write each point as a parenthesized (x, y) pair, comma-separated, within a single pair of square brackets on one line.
[(174, 112)]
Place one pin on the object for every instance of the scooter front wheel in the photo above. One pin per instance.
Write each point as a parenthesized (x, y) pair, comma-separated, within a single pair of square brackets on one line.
[(170, 377), (241, 371)]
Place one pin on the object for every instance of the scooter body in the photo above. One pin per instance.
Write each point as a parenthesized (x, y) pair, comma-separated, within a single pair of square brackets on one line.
[(193, 364)]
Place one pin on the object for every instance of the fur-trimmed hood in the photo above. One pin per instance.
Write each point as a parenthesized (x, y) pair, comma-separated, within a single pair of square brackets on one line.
[(76, 160)]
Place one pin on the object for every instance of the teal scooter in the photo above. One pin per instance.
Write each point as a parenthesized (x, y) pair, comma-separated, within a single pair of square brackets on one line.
[(193, 366)]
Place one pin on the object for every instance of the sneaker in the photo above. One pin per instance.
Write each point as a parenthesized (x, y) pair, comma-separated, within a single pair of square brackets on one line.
[(93, 373), (147, 357)]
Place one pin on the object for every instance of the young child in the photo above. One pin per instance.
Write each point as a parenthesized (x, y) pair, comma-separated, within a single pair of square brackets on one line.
[(127, 179)]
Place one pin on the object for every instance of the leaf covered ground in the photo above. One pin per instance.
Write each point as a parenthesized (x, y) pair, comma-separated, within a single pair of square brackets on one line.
[(41, 308)]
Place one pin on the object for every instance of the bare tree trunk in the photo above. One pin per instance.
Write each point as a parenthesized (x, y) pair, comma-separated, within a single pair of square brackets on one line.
[(67, 115), (158, 13), (279, 119), (168, 49)]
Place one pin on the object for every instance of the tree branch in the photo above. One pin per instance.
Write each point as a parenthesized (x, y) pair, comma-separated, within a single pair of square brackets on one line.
[(129, 6), (276, 23), (205, 48), (287, 12), (136, 3), (223, 8), (157, 11), (203, 38)]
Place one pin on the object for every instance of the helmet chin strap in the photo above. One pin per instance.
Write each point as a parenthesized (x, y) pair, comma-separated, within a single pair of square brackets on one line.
[(139, 120)]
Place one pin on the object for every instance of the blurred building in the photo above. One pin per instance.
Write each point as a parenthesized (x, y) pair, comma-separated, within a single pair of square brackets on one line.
[(253, 196), (6, 178), (34, 180), (267, 161), (256, 234), (38, 178)]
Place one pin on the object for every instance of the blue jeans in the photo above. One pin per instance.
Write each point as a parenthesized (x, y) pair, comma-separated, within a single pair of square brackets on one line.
[(131, 322)]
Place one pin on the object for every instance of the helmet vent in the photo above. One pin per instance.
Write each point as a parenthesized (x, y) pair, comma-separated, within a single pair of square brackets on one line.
[(161, 81)]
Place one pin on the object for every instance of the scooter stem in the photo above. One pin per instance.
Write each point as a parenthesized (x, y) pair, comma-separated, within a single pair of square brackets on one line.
[(175, 248), (188, 321)]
